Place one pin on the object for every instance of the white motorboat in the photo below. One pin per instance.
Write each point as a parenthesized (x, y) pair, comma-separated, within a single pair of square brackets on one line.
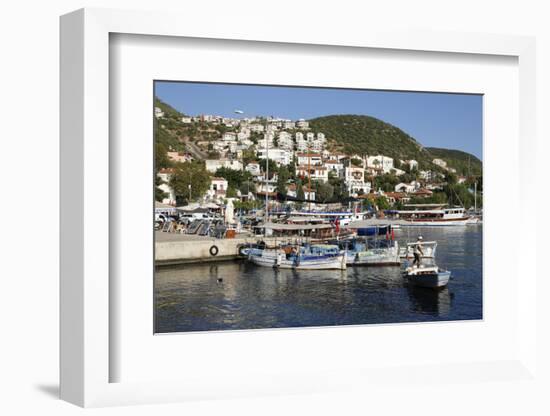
[(430, 276), (307, 257)]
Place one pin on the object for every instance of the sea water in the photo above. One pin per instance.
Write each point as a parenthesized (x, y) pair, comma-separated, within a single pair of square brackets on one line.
[(240, 295)]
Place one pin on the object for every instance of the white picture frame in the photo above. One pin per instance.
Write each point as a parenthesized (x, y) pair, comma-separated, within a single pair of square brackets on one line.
[(86, 355)]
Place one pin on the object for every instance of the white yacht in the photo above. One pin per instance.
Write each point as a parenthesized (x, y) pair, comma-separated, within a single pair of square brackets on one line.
[(423, 215)]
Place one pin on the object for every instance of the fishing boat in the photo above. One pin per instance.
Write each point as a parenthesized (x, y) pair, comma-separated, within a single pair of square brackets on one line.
[(299, 257), (372, 253), (428, 247), (370, 249), (430, 276), (423, 215)]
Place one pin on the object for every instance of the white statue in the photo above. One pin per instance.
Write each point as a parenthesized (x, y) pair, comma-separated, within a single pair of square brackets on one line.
[(229, 212)]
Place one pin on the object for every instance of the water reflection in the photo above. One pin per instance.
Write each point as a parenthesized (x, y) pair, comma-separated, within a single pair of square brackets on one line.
[(239, 295), (429, 301)]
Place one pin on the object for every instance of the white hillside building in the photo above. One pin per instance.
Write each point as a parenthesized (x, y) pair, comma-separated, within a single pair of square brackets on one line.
[(217, 190), (165, 175), (253, 168), (334, 166), (317, 173), (212, 165), (354, 178), (279, 156), (380, 161), (440, 162), (313, 159)]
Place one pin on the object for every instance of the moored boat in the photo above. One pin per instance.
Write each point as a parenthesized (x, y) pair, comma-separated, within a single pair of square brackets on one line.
[(430, 276), (370, 252), (306, 257), (427, 215), (428, 247)]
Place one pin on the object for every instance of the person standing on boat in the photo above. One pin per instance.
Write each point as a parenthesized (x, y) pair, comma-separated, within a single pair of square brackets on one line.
[(418, 252)]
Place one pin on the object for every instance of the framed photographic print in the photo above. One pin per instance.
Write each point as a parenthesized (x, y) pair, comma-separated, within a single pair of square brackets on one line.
[(320, 214), (249, 215)]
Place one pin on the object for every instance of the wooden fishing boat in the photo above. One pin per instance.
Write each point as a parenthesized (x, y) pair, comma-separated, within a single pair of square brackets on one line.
[(306, 257)]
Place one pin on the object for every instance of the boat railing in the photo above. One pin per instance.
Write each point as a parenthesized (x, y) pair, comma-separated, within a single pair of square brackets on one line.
[(424, 243), (428, 246)]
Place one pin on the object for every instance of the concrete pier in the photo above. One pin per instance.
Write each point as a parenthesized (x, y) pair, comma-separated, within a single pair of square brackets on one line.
[(172, 249)]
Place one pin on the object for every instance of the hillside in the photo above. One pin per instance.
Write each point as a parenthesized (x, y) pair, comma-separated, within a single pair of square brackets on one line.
[(368, 135), (465, 163), (168, 129), (349, 134), (176, 135)]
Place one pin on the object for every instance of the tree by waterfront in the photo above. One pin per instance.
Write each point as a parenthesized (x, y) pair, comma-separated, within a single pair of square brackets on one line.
[(190, 177)]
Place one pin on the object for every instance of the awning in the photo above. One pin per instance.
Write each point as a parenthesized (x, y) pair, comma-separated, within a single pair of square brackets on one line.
[(293, 227)]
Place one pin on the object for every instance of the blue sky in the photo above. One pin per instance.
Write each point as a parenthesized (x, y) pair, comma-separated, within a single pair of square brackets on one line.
[(452, 121)]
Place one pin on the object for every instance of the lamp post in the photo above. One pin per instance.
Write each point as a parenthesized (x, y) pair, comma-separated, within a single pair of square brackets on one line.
[(189, 186)]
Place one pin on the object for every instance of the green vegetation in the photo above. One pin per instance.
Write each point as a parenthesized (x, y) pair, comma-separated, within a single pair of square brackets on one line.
[(382, 203), (357, 162), (368, 135), (282, 180), (340, 190), (247, 205), (159, 194), (300, 194), (323, 191), (273, 168), (168, 129), (249, 155), (464, 163), (189, 177), (247, 186), (386, 182), (235, 179)]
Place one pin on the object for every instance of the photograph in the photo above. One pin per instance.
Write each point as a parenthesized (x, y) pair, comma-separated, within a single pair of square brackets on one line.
[(297, 206)]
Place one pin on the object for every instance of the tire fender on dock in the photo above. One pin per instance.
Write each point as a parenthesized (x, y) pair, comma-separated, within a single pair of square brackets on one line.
[(214, 250)]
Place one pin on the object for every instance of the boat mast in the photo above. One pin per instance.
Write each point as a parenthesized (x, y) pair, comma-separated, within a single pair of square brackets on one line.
[(475, 196), (347, 177), (309, 176), (266, 179)]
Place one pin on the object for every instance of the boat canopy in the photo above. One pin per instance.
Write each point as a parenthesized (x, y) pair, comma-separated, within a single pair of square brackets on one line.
[(375, 230), (293, 227)]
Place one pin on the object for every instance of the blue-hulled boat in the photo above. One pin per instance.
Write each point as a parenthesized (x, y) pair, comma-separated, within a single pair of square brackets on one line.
[(299, 257)]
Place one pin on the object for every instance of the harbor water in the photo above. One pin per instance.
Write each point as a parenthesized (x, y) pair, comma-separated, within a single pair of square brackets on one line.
[(239, 295)]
